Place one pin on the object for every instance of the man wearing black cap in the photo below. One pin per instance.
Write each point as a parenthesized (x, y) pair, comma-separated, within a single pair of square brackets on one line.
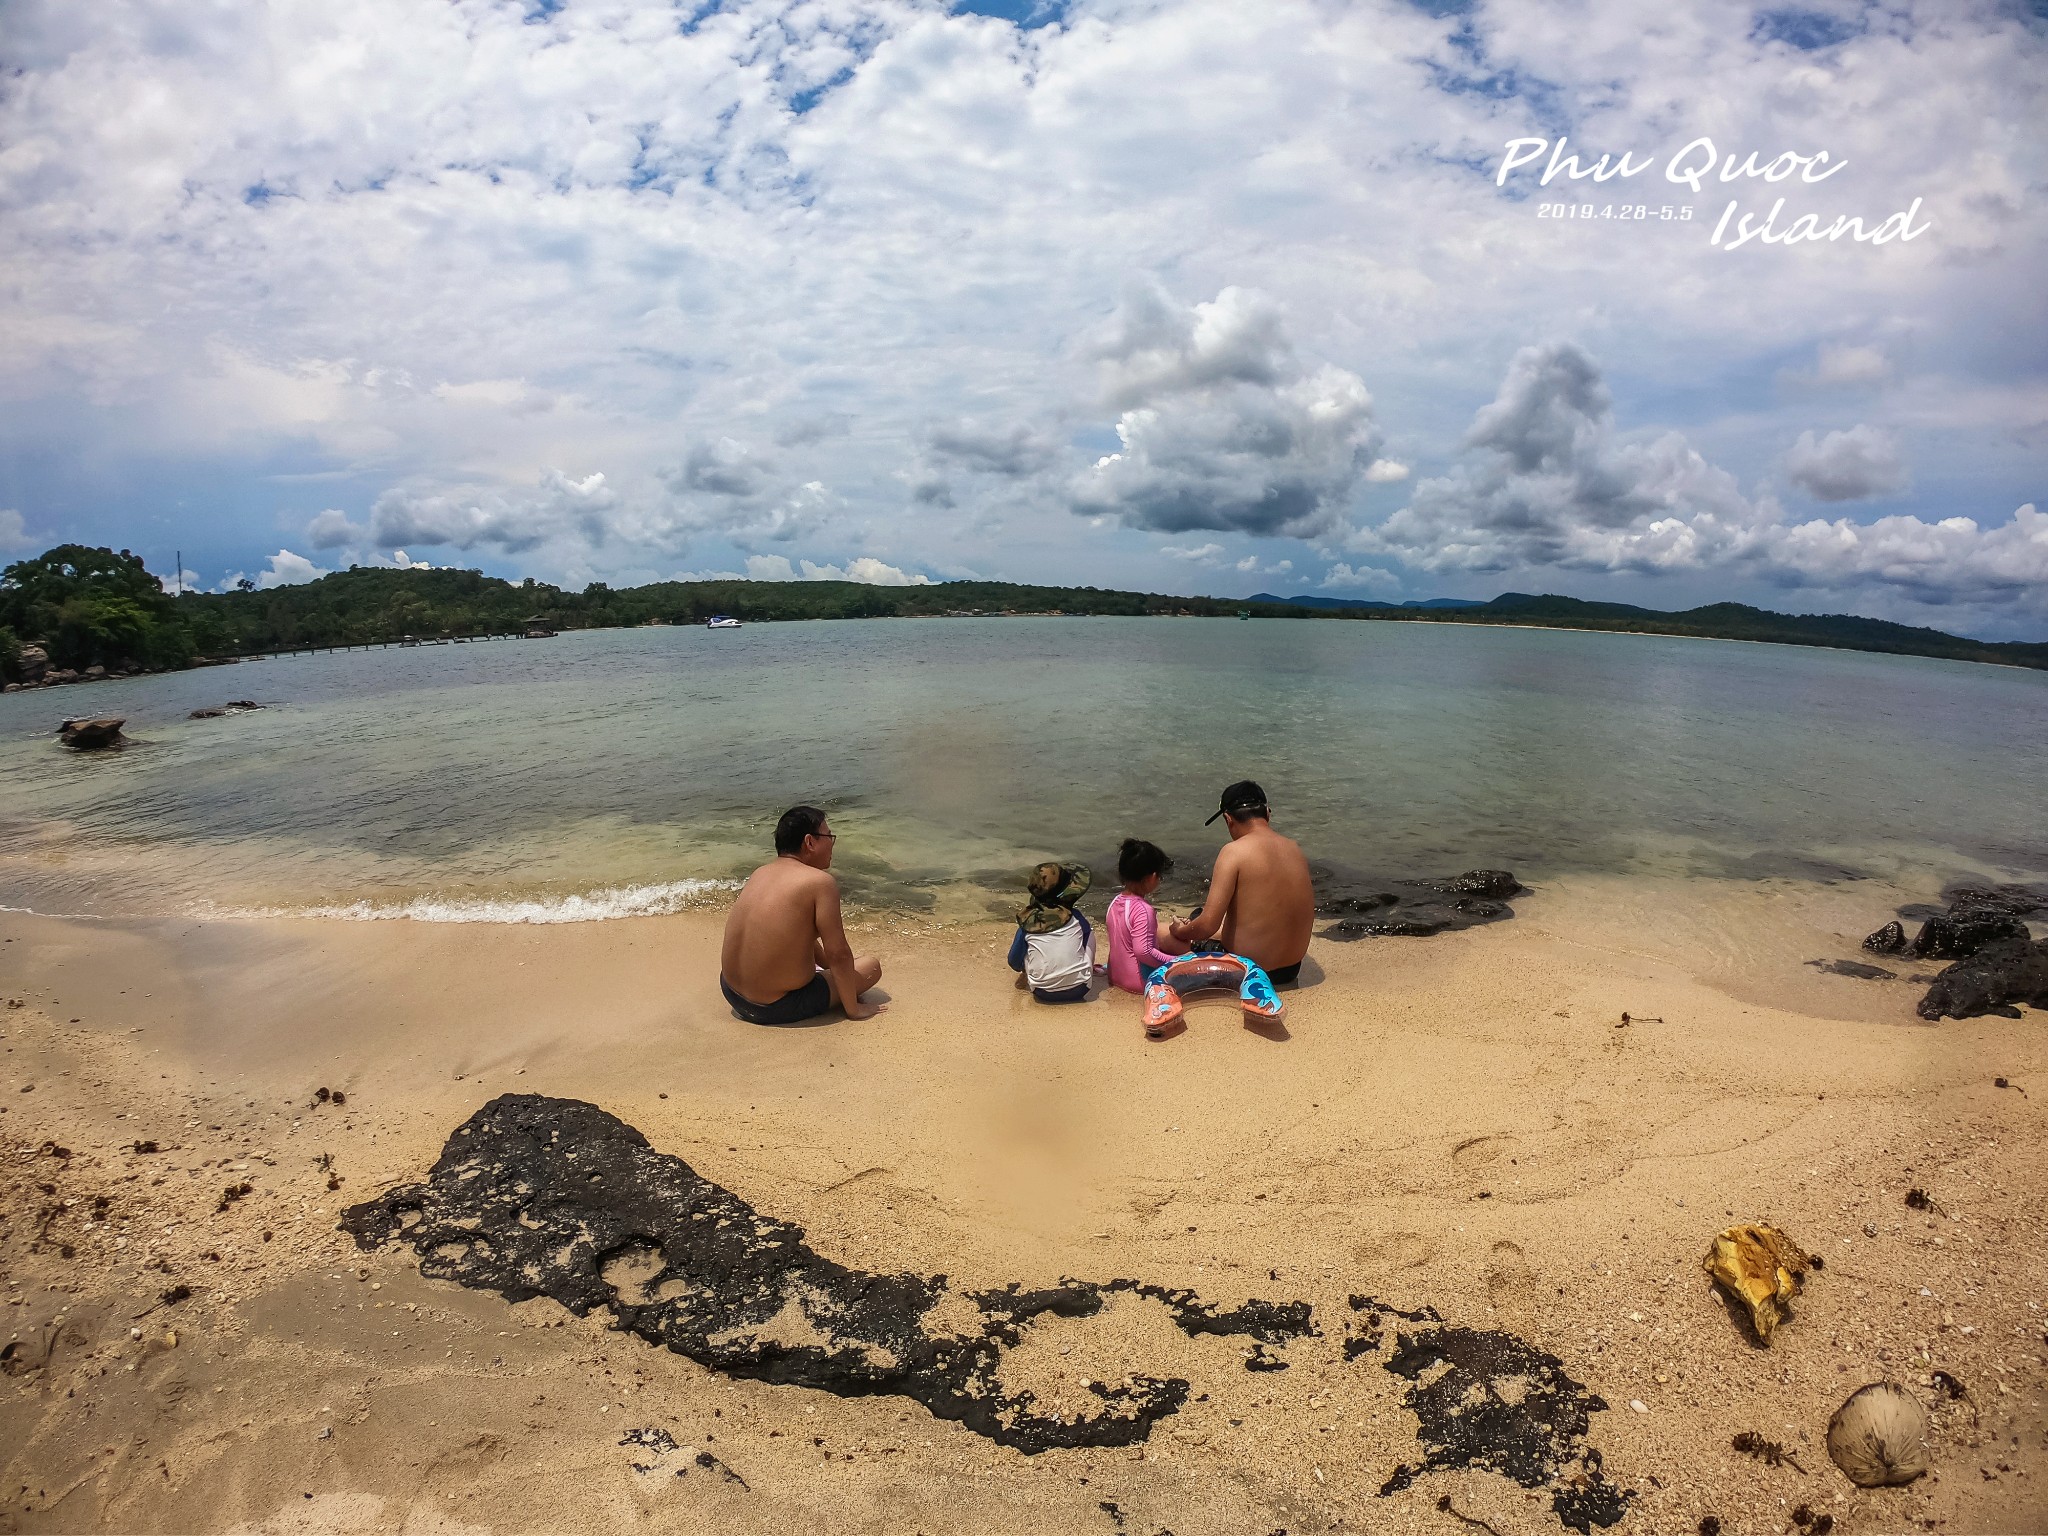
[(1260, 902)]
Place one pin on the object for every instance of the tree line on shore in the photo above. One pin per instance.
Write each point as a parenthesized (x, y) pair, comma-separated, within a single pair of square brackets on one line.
[(77, 607)]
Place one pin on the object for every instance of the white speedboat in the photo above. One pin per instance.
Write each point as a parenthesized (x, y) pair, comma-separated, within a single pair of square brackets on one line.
[(721, 621)]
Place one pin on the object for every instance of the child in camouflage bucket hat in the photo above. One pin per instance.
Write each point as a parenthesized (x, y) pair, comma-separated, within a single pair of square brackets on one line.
[(1054, 948)]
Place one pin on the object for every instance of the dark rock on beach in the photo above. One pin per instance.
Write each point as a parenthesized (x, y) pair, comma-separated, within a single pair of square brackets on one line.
[(1419, 908), (232, 707), (1994, 980), (1984, 929), (553, 1197), (1963, 930), (92, 735)]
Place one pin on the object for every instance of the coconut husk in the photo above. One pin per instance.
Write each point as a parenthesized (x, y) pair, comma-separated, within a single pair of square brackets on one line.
[(1879, 1436), (1763, 1269)]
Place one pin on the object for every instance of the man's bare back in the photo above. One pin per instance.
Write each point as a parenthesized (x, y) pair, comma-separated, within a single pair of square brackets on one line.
[(1261, 902), (785, 929)]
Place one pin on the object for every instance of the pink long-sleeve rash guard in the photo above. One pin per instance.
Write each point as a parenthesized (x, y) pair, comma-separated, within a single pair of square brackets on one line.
[(1133, 942)]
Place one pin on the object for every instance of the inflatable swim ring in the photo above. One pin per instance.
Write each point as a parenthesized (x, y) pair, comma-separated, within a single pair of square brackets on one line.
[(1167, 987)]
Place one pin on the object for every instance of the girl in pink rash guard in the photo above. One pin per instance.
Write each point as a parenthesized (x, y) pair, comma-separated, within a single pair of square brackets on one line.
[(1133, 924)]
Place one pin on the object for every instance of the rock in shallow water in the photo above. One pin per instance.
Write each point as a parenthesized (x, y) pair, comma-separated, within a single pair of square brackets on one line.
[(92, 735), (1420, 908), (1983, 928)]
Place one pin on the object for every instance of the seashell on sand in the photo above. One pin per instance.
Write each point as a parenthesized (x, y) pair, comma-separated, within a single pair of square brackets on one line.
[(1879, 1436)]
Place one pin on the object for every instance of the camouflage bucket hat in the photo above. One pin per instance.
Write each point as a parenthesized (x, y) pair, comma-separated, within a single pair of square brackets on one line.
[(1054, 889)]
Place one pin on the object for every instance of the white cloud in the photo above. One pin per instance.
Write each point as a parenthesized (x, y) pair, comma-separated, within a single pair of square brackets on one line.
[(1197, 554), (512, 521), (285, 570), (1364, 578), (1847, 466), (865, 569), (1385, 472), (498, 241), (1013, 451), (332, 529), (1223, 428), (1841, 366), (1556, 486), (13, 530)]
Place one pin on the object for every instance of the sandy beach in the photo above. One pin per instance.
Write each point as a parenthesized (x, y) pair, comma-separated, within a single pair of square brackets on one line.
[(1460, 1123)]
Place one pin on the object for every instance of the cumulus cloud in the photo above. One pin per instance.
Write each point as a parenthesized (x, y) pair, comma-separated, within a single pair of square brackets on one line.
[(723, 468), (1343, 577), (1556, 486), (865, 569), (285, 570), (332, 529), (1013, 451), (13, 530), (1222, 426), (1197, 554), (1846, 466), (1250, 565), (499, 237), (510, 520)]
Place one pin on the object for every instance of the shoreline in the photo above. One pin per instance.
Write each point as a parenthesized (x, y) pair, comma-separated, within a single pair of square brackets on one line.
[(1453, 1123)]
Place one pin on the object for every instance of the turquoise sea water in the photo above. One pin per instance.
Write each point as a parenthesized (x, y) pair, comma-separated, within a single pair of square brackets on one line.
[(609, 772)]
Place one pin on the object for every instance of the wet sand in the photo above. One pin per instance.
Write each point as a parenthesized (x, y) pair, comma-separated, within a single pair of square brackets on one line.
[(1458, 1122)]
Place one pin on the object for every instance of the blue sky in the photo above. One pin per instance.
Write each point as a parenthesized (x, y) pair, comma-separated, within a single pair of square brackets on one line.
[(1179, 295)]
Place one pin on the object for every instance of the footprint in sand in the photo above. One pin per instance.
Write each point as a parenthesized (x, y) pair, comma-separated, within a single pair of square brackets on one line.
[(1391, 1252), (1509, 1280)]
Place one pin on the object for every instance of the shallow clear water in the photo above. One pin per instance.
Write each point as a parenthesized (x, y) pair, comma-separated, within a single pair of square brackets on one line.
[(954, 752)]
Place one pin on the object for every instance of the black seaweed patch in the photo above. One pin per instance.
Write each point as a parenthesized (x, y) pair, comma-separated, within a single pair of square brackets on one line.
[(1487, 1399), (536, 1196)]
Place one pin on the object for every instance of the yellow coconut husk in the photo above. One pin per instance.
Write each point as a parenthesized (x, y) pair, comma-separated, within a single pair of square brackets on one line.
[(1762, 1268)]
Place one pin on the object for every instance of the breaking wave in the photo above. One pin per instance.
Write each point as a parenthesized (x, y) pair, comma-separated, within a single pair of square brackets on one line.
[(582, 907)]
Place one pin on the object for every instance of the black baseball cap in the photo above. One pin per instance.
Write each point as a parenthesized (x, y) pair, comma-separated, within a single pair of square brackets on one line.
[(1240, 797)]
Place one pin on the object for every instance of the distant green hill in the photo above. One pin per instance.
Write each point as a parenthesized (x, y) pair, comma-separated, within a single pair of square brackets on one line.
[(83, 608)]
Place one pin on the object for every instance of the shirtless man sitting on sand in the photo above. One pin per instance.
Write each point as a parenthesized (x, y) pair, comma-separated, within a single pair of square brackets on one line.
[(786, 958), (1260, 900)]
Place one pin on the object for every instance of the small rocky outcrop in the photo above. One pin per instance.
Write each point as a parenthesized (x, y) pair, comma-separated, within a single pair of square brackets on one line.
[(93, 735), (1984, 929), (1419, 908), (232, 707), (34, 663), (1994, 980)]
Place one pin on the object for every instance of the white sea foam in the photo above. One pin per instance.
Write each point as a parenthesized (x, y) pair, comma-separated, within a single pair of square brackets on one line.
[(581, 907)]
